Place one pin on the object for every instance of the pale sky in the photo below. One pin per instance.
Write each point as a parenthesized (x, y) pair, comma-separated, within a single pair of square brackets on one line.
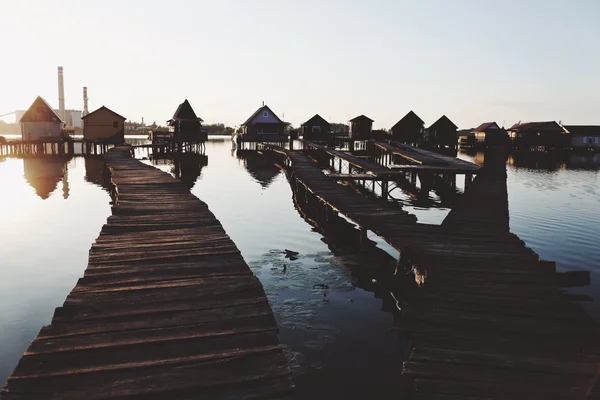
[(473, 60)]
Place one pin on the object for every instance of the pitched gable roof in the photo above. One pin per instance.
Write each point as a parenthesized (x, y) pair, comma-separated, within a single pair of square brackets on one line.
[(40, 111), (485, 126), (107, 109), (361, 117), (544, 126), (408, 117), (257, 112), (185, 112), (443, 120), (316, 120)]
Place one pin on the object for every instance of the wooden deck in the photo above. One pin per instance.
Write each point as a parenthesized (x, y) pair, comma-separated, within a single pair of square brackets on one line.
[(487, 319), (427, 158), (358, 162), (167, 308)]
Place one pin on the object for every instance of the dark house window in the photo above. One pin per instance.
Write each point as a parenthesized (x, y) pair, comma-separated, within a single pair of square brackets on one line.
[(316, 129), (266, 114), (115, 124)]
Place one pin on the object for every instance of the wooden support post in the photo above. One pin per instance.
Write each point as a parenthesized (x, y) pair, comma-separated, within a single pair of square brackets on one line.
[(468, 180), (363, 239), (384, 189)]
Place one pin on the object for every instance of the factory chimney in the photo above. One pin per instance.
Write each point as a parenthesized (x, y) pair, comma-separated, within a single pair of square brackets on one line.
[(61, 94), (85, 102)]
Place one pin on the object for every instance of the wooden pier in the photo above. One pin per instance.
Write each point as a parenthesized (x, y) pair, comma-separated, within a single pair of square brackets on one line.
[(167, 308), (486, 318), (53, 146)]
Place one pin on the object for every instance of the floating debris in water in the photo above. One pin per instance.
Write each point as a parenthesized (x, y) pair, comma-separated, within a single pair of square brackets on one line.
[(321, 286)]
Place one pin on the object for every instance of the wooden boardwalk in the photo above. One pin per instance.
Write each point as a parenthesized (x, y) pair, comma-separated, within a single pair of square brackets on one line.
[(167, 308), (487, 319), (427, 158)]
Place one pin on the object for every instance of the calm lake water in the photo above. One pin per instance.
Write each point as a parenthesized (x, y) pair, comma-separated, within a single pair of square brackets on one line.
[(339, 339)]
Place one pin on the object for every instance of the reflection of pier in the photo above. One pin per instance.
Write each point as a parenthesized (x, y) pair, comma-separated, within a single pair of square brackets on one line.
[(167, 308), (487, 311), (44, 173)]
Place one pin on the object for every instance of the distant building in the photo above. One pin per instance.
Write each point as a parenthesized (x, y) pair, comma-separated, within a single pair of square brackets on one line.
[(104, 125), (548, 134), (409, 129), (187, 126), (490, 134), (40, 121), (316, 128), (265, 125), (584, 136), (360, 127), (442, 134)]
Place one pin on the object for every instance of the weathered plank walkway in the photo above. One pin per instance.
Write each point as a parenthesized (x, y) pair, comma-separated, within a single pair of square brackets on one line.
[(167, 308), (488, 320), (427, 158)]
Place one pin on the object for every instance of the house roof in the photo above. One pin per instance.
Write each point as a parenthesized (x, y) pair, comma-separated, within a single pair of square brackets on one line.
[(361, 117), (485, 126), (185, 112), (258, 112), (40, 111), (316, 120), (409, 116), (591, 130), (107, 109), (539, 126), (443, 120)]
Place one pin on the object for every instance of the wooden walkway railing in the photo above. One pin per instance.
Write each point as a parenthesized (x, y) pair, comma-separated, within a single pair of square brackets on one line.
[(488, 319), (167, 308)]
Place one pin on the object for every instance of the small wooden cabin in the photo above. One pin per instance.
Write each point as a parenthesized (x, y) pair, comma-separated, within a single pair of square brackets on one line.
[(104, 125), (187, 126), (41, 122), (547, 134), (316, 129), (265, 125), (490, 134), (409, 129), (442, 134), (360, 128), (584, 136)]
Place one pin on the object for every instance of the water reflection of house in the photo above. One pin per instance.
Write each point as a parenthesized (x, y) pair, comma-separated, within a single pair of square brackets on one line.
[(187, 167), (44, 173), (94, 171), (258, 166)]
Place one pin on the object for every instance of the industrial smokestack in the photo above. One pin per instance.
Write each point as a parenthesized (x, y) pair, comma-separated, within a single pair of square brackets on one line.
[(61, 94), (85, 102)]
